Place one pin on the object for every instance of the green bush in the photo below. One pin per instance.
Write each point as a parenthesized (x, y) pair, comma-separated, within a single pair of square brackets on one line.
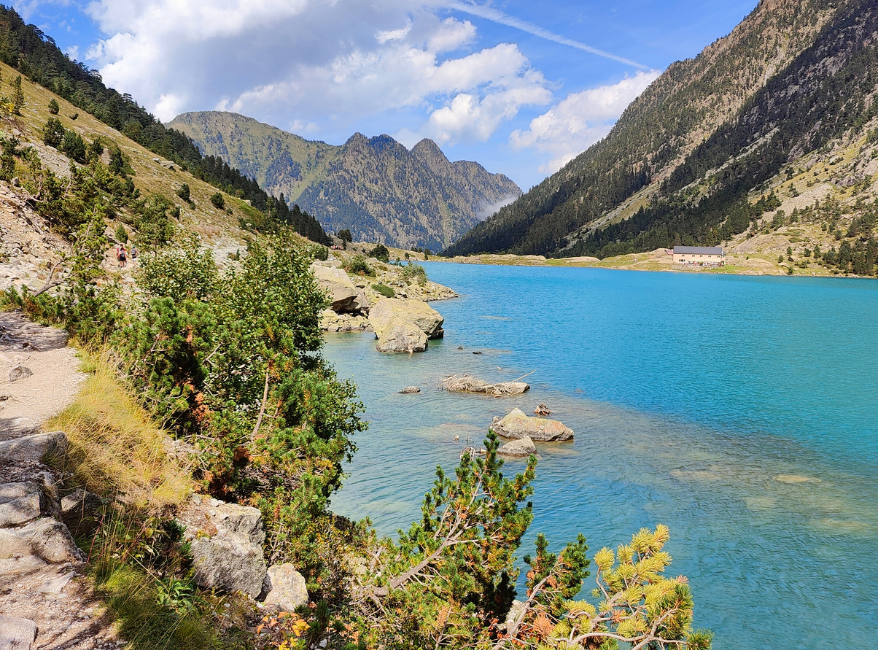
[(184, 192), (384, 290), (380, 253), (53, 132), (218, 201), (53, 107), (413, 272), (122, 234), (73, 146), (359, 266)]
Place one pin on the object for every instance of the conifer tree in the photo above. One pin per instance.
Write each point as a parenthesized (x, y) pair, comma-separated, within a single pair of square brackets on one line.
[(17, 96)]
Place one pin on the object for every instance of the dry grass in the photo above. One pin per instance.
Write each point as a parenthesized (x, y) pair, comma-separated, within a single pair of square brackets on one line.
[(115, 447)]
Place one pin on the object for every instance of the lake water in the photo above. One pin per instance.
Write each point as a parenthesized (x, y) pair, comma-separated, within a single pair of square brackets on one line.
[(740, 411)]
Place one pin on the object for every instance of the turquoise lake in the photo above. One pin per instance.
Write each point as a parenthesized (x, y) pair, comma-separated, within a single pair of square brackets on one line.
[(740, 411)]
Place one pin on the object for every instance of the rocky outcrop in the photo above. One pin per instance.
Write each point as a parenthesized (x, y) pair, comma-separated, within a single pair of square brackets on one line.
[(517, 425), (284, 588), (32, 449), (410, 390), (333, 322), (469, 384), (226, 541), (21, 502), (17, 633), (343, 295), (520, 448), (404, 325)]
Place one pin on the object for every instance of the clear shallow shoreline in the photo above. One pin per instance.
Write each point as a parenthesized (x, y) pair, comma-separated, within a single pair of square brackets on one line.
[(727, 449)]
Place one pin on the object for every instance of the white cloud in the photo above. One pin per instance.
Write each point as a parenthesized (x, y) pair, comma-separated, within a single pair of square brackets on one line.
[(72, 52), (580, 120), (313, 62)]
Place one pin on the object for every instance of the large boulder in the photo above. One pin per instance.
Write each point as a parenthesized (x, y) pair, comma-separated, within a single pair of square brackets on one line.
[(22, 502), (47, 539), (17, 633), (226, 541), (285, 587), (32, 449), (386, 314), (520, 448), (401, 336), (517, 425), (343, 295)]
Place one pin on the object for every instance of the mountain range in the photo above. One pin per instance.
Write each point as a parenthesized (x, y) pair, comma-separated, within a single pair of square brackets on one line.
[(788, 96), (375, 187)]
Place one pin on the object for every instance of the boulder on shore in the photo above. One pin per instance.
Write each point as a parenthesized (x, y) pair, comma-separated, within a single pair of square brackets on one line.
[(520, 448), (517, 425), (387, 312), (343, 295)]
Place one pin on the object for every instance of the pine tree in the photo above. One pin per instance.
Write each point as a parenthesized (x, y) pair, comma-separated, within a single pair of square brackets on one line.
[(17, 96)]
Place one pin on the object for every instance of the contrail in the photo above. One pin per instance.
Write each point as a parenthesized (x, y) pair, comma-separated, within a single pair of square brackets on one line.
[(510, 21)]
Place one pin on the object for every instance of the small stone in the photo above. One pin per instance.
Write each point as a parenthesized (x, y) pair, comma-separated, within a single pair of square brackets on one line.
[(521, 448), (20, 372), (285, 587), (408, 390)]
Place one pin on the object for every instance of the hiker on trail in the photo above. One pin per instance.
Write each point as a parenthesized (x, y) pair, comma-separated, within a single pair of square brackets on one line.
[(134, 252), (123, 257)]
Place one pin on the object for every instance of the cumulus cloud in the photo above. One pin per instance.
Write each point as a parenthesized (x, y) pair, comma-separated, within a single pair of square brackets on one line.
[(303, 61), (580, 120)]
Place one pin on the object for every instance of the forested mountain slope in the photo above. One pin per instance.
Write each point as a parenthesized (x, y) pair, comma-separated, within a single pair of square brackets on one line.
[(375, 187), (788, 79)]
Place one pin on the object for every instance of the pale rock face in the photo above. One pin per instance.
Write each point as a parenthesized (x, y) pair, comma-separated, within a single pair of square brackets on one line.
[(517, 425), (344, 296), (47, 539), (399, 335), (17, 633), (285, 587), (404, 325), (226, 545), (520, 448), (21, 502), (32, 449)]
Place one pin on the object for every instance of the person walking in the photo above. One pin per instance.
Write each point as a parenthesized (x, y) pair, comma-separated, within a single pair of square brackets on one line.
[(123, 257)]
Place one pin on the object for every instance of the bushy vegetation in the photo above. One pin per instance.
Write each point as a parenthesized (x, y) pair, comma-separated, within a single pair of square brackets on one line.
[(414, 272), (358, 265), (380, 253), (384, 290), (36, 55)]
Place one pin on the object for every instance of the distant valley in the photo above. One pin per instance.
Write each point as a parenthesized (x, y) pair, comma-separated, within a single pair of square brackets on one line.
[(375, 187)]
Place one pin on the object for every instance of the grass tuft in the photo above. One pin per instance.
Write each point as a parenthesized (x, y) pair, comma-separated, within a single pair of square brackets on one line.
[(115, 447)]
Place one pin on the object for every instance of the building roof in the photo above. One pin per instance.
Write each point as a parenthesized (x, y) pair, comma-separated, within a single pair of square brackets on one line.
[(698, 250)]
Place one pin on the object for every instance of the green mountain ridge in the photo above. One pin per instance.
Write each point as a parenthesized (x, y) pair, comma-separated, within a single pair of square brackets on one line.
[(375, 187), (690, 158)]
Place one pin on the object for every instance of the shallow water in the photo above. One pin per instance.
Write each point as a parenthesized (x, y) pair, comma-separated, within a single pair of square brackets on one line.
[(739, 411)]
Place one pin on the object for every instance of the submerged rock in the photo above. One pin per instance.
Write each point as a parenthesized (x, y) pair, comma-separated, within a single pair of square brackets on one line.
[(469, 384), (518, 425), (520, 448), (409, 390)]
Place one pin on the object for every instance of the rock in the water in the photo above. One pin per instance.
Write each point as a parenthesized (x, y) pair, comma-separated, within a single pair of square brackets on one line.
[(517, 425), (401, 336), (17, 633), (344, 296), (520, 448), (32, 449), (285, 587), (469, 384), (408, 390), (20, 372), (21, 502), (389, 311), (47, 539), (226, 541)]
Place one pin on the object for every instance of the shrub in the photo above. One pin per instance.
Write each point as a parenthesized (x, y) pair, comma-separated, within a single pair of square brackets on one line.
[(184, 192), (384, 290), (73, 146), (358, 266), (53, 132), (218, 201), (380, 253), (122, 234), (413, 272), (53, 107)]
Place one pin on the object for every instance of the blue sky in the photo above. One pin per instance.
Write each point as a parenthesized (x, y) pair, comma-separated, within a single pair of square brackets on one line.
[(520, 87)]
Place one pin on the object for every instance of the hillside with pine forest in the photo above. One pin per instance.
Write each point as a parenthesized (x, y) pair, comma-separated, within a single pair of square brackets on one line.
[(375, 187), (773, 122)]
